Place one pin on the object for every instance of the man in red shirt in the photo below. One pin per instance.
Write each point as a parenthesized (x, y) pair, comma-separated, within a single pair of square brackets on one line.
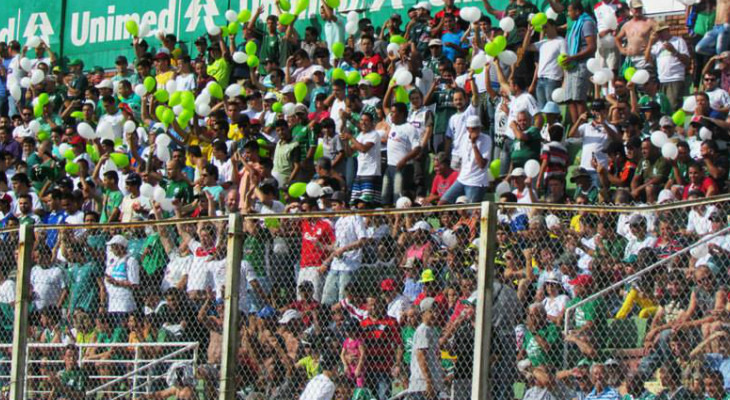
[(443, 178), (317, 238), (384, 355), (372, 62), (449, 8)]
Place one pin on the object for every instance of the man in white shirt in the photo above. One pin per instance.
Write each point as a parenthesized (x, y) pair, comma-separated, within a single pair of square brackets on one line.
[(595, 134), (671, 57), (367, 184), (113, 116), (719, 98), (427, 376), (456, 132), (474, 175), (403, 145), (121, 277), (549, 73), (397, 302), (321, 387)]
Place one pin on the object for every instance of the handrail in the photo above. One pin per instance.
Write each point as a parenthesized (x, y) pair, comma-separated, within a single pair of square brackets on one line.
[(638, 274), (144, 368), (91, 345)]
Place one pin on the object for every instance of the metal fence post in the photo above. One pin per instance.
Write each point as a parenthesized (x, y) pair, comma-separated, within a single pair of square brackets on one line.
[(481, 385), (231, 313), (20, 323)]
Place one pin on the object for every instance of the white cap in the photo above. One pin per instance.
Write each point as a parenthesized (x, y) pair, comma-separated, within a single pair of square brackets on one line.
[(424, 5), (665, 196), (517, 172), (105, 84), (434, 42), (270, 96), (552, 221), (287, 89), (317, 68), (117, 239), (553, 277), (300, 108), (462, 200), (364, 82), (289, 315), (91, 103), (427, 304), (473, 121), (420, 225)]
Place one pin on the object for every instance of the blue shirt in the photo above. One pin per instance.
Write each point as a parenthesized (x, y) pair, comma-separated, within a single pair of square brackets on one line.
[(607, 394), (452, 37), (53, 218), (720, 363)]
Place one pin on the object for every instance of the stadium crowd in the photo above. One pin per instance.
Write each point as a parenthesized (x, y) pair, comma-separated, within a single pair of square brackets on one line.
[(581, 102)]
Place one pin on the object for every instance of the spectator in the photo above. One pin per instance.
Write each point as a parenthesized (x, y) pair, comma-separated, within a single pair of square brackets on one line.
[(427, 379)]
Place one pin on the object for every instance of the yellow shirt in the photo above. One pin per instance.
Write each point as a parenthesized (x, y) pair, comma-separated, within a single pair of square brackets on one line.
[(234, 133), (163, 78)]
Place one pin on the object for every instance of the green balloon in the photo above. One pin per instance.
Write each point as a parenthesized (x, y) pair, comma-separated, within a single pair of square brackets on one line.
[(401, 95), (215, 90), (332, 3), (175, 99), (277, 107), (184, 118), (263, 151), (43, 99), (43, 135), (244, 16), (338, 49), (38, 110), (353, 78), (300, 91), (252, 61), (285, 5), (187, 100), (132, 27), (629, 73), (168, 116), (678, 117), (495, 167), (91, 151), (233, 28), (491, 49), (374, 78), (398, 39), (224, 31), (119, 159), (301, 6), (77, 115), (72, 168), (251, 48), (338, 75), (539, 19), (159, 112), (162, 96), (150, 84), (298, 189), (286, 18), (319, 152), (69, 155), (500, 42)]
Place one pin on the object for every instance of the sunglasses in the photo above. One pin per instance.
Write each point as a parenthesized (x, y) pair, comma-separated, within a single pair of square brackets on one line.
[(709, 79)]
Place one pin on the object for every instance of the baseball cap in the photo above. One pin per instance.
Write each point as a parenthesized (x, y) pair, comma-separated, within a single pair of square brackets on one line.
[(105, 84), (665, 196), (666, 121), (660, 26), (582, 280), (117, 239), (270, 96), (550, 108), (423, 5), (427, 276), (300, 108), (581, 173), (517, 172), (289, 315), (420, 225), (637, 4), (339, 197), (76, 140), (434, 42), (121, 60), (266, 312), (365, 82), (317, 68), (427, 304), (133, 179), (387, 285), (162, 56), (75, 61), (287, 89), (553, 277), (636, 219), (473, 121), (652, 105), (462, 200)]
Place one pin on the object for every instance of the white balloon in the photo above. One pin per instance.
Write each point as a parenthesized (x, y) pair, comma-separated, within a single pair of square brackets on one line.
[(393, 48), (108, 166), (63, 148), (403, 77), (129, 126), (144, 30), (202, 109), (142, 134), (314, 190), (33, 42), (34, 126), (25, 82), (508, 57), (641, 76), (167, 205), (288, 109), (502, 188), (140, 90), (231, 16), (214, 30), (658, 138), (15, 91), (171, 86), (233, 90), (705, 134), (507, 24), (158, 194), (147, 190), (609, 73), (162, 140), (352, 16), (600, 78), (85, 131), (104, 130), (177, 109), (479, 61), (470, 14), (558, 95), (239, 57), (670, 151), (608, 42), (689, 105), (203, 98), (532, 168), (26, 64), (403, 202), (351, 28), (163, 154), (551, 14), (594, 65), (36, 77)]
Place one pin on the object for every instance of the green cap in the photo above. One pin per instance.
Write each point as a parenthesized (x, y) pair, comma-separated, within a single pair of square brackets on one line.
[(75, 62), (427, 276)]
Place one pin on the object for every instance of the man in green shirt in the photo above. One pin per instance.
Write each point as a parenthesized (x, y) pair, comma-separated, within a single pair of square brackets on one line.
[(442, 94), (72, 381), (651, 174), (178, 186), (112, 197), (84, 277), (652, 93), (541, 344), (588, 318), (526, 145)]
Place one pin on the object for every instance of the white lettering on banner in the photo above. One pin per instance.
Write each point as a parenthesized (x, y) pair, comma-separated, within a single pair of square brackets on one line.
[(109, 28), (8, 34), (39, 21), (210, 10)]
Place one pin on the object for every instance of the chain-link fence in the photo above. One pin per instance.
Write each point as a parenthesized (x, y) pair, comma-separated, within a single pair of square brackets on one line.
[(370, 305)]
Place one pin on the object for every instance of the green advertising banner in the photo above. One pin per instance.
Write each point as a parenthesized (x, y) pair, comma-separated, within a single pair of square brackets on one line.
[(95, 32), (20, 20)]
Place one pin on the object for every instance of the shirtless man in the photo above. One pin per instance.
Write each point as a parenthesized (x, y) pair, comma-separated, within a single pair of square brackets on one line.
[(636, 32), (718, 39)]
